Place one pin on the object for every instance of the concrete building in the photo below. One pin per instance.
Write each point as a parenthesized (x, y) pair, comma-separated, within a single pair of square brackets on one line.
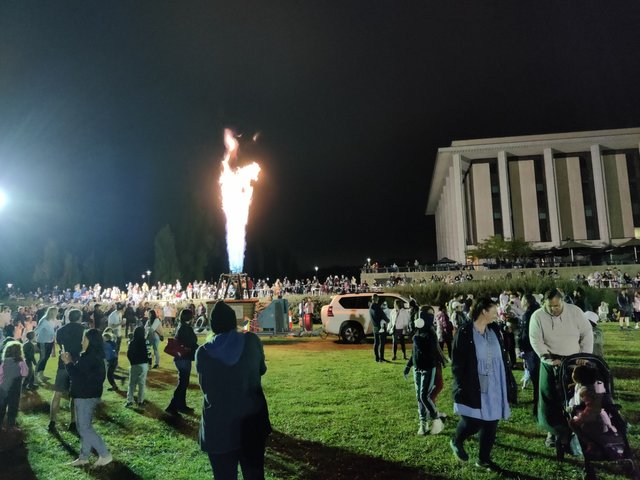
[(583, 186)]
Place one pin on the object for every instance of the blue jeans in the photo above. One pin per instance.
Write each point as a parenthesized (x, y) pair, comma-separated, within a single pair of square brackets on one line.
[(137, 378), (88, 437), (379, 340), (155, 343), (179, 399)]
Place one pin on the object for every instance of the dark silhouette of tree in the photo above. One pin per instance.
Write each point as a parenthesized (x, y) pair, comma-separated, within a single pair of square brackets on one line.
[(166, 266)]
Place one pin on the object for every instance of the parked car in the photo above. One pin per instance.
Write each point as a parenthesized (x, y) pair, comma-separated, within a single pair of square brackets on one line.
[(347, 315)]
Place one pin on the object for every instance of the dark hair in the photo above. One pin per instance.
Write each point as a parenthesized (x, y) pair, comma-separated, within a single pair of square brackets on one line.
[(12, 349), (30, 335), (531, 300), (138, 334), (585, 375), (96, 344), (185, 315), (479, 305), (152, 315), (553, 293), (74, 315)]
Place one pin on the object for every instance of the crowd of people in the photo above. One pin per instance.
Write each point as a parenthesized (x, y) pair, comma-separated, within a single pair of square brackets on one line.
[(482, 339)]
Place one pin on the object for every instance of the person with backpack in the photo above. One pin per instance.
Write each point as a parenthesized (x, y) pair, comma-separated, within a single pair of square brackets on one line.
[(155, 335)]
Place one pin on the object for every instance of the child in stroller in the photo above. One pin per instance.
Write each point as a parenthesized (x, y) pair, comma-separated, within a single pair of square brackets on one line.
[(587, 385)]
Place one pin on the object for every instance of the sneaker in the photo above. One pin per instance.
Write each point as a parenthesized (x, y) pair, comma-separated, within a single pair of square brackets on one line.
[(637, 326), (128, 404), (102, 461), (78, 462), (550, 441), (442, 415), (489, 466), (141, 404), (156, 366), (436, 427), (172, 411), (458, 451)]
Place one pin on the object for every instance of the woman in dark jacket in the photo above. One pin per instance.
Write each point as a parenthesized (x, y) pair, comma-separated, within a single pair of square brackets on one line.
[(235, 418), (531, 359), (87, 376), (187, 337), (482, 382)]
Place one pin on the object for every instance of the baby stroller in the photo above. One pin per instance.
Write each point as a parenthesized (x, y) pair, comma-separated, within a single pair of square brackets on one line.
[(612, 446)]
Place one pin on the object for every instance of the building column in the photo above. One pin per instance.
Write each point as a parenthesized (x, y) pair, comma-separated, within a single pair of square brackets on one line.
[(505, 202), (458, 210), (600, 194), (552, 196)]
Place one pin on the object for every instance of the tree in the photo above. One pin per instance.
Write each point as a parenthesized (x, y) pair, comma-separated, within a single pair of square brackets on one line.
[(166, 267), (49, 271), (71, 272), (498, 249)]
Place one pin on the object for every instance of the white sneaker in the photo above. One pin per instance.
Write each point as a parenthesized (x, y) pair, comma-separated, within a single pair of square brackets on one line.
[(436, 427), (78, 462), (637, 326), (102, 461)]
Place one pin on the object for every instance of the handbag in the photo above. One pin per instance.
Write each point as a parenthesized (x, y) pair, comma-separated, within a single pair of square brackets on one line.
[(176, 348)]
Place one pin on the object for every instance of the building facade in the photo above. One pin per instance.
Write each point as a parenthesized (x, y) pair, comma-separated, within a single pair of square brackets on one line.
[(545, 189)]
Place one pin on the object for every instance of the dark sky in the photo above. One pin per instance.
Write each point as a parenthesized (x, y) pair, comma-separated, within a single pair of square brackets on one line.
[(111, 113)]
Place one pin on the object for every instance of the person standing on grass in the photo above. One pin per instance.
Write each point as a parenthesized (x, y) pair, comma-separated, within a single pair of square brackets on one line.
[(444, 329), (12, 370), (556, 330), (483, 383), (111, 360), (235, 418), (69, 337), (425, 359), (625, 304), (87, 376), (379, 320), (187, 337), (530, 357), (138, 355), (45, 336), (29, 350), (115, 322), (400, 318), (154, 332)]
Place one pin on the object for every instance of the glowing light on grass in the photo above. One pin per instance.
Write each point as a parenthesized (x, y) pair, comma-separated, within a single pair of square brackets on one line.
[(237, 191)]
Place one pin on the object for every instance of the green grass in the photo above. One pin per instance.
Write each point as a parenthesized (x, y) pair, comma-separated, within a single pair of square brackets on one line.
[(336, 414)]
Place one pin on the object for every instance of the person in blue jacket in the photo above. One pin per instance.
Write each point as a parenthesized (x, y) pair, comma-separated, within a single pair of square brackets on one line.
[(235, 418)]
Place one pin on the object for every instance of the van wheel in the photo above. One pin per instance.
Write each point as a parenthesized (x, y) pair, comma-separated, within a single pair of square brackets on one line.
[(351, 333)]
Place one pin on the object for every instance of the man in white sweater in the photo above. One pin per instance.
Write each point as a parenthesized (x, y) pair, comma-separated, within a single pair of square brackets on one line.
[(556, 330)]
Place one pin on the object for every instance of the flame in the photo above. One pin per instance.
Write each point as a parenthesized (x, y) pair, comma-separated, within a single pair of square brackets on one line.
[(237, 190)]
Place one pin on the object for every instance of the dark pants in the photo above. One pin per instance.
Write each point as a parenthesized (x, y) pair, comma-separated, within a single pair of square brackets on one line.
[(45, 353), (179, 399), (446, 342), (532, 362), (250, 458), (379, 340), (111, 373), (468, 426), (398, 338), (10, 402), (30, 378)]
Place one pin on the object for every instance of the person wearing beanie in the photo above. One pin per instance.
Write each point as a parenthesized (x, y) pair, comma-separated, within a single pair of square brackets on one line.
[(235, 417)]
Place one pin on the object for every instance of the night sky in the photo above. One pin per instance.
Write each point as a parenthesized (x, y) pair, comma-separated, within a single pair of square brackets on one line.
[(112, 115)]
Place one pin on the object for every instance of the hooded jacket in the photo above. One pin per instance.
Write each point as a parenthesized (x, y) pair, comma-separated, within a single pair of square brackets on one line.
[(234, 413)]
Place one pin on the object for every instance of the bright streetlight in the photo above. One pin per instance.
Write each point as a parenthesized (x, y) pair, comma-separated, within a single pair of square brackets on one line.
[(316, 268), (148, 273)]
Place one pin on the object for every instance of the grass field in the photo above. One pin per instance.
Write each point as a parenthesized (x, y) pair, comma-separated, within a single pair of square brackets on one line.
[(336, 414)]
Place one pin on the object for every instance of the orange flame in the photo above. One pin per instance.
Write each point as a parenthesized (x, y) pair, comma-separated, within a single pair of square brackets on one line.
[(237, 190)]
